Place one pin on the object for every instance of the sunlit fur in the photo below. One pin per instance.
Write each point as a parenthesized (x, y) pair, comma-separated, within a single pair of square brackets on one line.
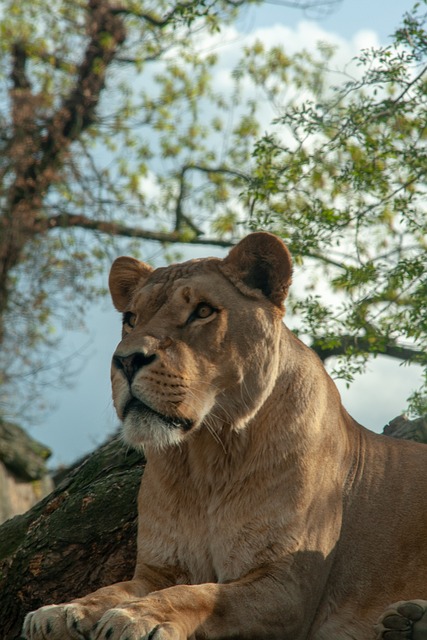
[(265, 511), (199, 373)]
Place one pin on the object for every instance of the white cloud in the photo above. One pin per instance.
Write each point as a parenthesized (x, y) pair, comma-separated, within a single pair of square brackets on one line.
[(379, 395), (228, 44)]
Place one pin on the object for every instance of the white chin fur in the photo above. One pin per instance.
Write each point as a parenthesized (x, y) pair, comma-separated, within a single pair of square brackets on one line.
[(140, 431)]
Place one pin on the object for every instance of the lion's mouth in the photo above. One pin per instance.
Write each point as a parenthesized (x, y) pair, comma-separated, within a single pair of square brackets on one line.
[(135, 405)]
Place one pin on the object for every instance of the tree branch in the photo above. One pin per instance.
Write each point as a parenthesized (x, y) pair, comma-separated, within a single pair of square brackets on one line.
[(392, 103), (77, 112), (178, 9), (363, 345), (221, 169), (36, 160), (19, 61), (68, 220)]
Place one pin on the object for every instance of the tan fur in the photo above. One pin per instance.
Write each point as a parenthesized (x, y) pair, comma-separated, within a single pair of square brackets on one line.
[(265, 510)]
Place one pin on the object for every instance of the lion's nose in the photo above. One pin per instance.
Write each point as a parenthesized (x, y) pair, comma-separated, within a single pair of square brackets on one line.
[(132, 363)]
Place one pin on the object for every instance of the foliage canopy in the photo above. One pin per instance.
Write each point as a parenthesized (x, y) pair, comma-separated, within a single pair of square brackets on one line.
[(122, 123), (342, 178)]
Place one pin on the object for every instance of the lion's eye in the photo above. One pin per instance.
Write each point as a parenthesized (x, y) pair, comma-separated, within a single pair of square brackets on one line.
[(202, 311), (129, 319)]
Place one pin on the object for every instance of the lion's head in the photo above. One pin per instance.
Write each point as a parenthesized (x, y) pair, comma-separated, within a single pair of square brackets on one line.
[(200, 342)]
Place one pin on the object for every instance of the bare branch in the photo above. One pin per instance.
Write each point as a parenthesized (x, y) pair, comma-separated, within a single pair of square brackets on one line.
[(221, 169), (66, 220)]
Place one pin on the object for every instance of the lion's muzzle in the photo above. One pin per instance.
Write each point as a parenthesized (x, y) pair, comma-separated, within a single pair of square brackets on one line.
[(131, 364)]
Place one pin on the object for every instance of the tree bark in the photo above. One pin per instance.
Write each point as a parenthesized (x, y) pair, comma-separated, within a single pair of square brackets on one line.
[(79, 538), (83, 535)]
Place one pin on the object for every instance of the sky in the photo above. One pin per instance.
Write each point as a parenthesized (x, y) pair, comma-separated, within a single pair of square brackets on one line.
[(83, 415)]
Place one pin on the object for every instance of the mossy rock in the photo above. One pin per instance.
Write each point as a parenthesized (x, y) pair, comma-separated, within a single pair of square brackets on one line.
[(22, 455)]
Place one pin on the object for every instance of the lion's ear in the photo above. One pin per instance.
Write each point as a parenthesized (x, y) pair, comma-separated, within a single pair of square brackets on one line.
[(262, 261), (126, 273)]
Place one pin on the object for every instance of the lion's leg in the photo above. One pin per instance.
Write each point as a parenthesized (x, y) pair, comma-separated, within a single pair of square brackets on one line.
[(77, 619), (253, 607), (404, 621)]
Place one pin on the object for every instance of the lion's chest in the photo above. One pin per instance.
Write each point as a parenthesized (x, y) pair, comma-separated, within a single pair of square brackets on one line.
[(213, 539), (217, 550), (223, 538), (212, 527)]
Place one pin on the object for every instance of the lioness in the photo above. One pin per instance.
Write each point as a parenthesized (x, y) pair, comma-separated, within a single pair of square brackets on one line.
[(265, 510)]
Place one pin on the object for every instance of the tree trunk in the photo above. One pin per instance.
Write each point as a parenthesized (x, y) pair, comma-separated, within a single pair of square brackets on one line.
[(79, 538), (83, 535)]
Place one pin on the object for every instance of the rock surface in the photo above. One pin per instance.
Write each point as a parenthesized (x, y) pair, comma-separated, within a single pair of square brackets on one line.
[(24, 479)]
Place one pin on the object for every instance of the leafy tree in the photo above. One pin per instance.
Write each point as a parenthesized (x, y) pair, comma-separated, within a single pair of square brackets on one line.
[(114, 130), (95, 97), (77, 99), (342, 177)]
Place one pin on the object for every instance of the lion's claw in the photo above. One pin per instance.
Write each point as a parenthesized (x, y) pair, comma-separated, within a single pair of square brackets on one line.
[(67, 622), (130, 624), (405, 620)]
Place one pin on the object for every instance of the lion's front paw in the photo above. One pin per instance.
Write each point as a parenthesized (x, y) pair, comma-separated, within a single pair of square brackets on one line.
[(58, 622), (133, 622), (404, 621)]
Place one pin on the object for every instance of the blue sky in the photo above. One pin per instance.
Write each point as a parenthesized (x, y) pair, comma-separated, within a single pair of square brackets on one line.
[(345, 19), (83, 415)]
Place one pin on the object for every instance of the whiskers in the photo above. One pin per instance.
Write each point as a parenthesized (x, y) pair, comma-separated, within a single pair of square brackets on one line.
[(213, 419), (202, 404), (129, 447), (215, 435)]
